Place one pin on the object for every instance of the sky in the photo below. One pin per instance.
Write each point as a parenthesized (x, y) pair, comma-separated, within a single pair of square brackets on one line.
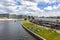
[(30, 7)]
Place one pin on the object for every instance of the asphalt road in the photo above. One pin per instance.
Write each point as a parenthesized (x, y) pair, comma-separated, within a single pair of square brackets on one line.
[(48, 19), (12, 30)]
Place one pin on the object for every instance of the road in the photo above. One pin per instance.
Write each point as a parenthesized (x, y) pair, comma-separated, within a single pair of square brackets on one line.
[(11, 30), (48, 19)]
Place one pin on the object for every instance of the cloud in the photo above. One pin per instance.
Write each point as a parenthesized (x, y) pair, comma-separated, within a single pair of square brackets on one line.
[(48, 8), (29, 3), (29, 7), (52, 7), (46, 1), (7, 6)]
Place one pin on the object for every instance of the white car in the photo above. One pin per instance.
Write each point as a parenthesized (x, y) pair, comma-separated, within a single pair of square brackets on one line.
[(47, 25)]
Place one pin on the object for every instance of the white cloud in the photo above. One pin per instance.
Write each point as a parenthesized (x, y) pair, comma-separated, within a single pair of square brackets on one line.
[(50, 1), (29, 3), (28, 7), (55, 7), (52, 7), (1, 5), (48, 8), (59, 6), (7, 6)]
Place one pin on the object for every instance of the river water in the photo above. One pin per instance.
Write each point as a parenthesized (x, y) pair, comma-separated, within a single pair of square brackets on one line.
[(12, 30)]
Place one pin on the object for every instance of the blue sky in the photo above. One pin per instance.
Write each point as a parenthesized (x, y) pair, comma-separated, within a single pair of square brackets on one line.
[(31, 7), (43, 5)]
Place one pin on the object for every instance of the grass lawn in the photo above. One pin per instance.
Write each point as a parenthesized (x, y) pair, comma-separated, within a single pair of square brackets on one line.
[(47, 34)]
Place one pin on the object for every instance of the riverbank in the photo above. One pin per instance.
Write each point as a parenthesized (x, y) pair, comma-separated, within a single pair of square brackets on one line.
[(48, 34), (1, 20)]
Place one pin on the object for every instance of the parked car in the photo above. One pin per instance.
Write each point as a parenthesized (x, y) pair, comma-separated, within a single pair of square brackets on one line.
[(47, 25), (56, 26)]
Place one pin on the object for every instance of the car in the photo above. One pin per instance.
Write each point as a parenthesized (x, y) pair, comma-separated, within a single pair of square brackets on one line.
[(15, 21), (47, 25)]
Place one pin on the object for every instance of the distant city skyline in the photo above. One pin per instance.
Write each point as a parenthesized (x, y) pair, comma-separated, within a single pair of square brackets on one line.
[(30, 7)]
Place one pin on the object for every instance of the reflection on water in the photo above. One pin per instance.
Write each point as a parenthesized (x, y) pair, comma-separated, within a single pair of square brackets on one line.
[(11, 30)]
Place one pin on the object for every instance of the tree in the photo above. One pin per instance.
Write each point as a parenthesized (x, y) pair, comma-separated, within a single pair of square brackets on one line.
[(29, 17), (25, 18), (32, 18)]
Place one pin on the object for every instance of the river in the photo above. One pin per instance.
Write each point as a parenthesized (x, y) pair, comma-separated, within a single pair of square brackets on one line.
[(12, 30)]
